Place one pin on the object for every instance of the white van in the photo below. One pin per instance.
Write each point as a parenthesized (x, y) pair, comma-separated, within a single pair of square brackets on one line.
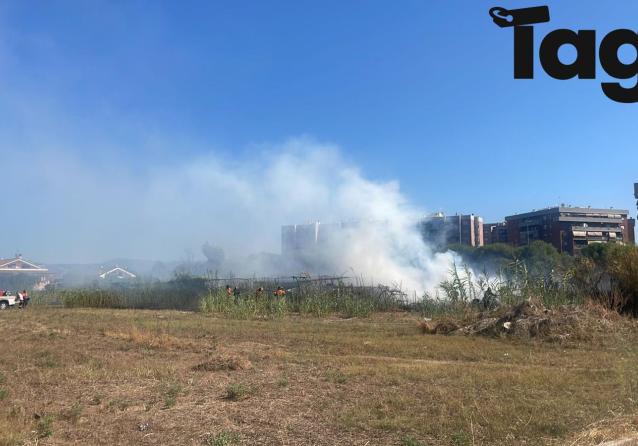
[(7, 302)]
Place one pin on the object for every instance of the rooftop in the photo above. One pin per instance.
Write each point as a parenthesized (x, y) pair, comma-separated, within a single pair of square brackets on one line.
[(570, 210), (18, 264)]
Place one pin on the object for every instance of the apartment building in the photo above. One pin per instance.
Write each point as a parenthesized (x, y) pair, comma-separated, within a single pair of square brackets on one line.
[(570, 229)]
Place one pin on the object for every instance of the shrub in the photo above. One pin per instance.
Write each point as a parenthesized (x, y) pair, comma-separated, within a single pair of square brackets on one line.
[(623, 269), (170, 396), (221, 439), (609, 273), (238, 391), (460, 438), (47, 360), (44, 428), (411, 441), (336, 376), (73, 414)]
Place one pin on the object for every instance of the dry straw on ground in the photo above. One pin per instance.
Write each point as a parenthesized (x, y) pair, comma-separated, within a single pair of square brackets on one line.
[(105, 377)]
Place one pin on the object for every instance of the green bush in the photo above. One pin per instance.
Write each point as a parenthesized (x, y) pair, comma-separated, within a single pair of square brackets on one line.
[(44, 428), (222, 439), (73, 413), (623, 270), (238, 391), (609, 274), (411, 441)]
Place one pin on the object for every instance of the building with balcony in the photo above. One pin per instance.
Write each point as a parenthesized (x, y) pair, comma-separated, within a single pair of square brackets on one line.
[(570, 229), (494, 233)]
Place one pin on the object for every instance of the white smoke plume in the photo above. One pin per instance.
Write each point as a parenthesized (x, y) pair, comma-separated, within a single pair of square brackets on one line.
[(90, 213)]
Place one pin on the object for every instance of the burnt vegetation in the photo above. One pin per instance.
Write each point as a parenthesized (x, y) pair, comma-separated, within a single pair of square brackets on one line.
[(606, 274)]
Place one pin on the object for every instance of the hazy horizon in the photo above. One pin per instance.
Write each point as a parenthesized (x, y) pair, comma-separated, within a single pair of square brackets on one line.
[(144, 130)]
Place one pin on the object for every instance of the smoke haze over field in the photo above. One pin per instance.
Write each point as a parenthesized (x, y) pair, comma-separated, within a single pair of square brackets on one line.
[(126, 130), (79, 212)]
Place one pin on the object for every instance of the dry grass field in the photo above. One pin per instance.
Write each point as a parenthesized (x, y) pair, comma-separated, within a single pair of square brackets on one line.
[(106, 377)]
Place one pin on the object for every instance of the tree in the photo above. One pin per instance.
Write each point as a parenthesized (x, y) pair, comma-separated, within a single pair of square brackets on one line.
[(623, 269), (598, 252), (541, 258), (489, 257)]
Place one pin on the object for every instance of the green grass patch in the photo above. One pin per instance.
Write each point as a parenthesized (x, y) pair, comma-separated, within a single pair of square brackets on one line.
[(222, 439), (238, 392)]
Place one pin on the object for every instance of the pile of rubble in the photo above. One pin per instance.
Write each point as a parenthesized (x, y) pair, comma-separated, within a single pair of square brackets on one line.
[(526, 320), (530, 320)]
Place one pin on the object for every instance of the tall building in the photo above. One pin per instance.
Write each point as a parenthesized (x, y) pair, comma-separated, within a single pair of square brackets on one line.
[(299, 237), (494, 233), (307, 237), (570, 229), (441, 230)]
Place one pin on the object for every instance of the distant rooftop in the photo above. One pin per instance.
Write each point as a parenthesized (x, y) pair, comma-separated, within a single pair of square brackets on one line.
[(18, 264), (570, 209)]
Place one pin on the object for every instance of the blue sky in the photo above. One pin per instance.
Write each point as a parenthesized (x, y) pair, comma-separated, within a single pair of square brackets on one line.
[(416, 91)]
